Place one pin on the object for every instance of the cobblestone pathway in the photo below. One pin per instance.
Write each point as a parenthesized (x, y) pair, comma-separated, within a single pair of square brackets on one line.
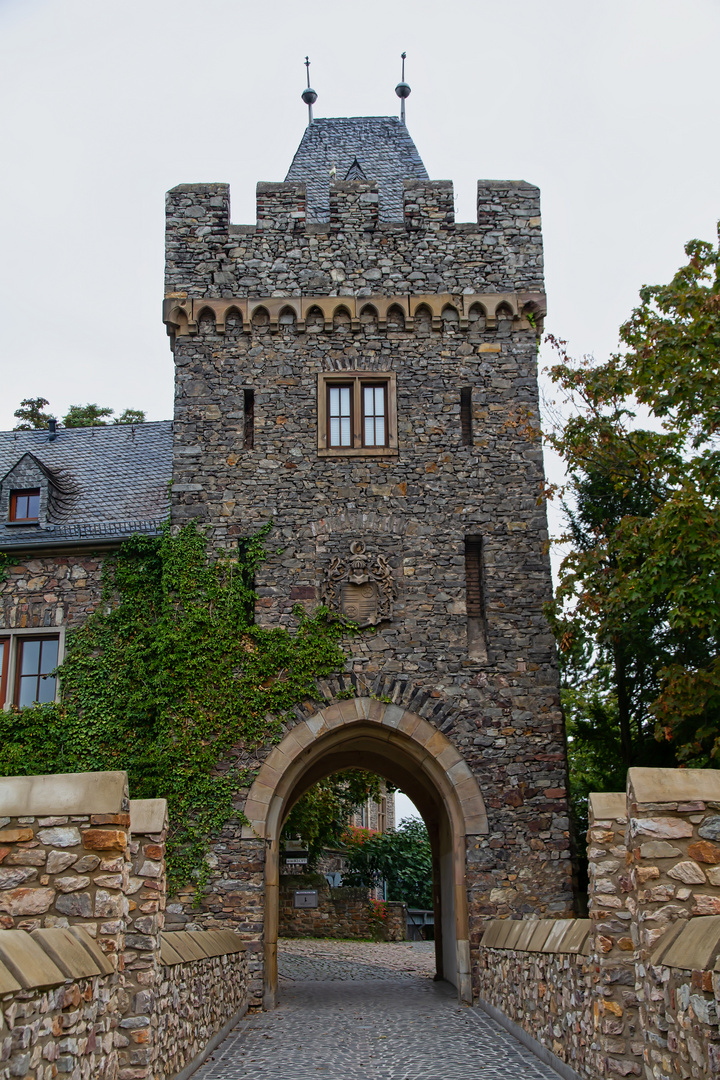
[(360, 1011)]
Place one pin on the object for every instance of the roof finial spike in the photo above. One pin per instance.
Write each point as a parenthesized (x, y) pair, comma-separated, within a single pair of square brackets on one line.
[(308, 95), (402, 90)]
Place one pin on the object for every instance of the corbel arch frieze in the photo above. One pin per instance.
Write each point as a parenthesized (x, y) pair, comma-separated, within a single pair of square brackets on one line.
[(181, 314)]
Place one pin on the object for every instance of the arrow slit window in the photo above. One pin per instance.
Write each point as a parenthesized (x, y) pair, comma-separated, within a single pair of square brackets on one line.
[(357, 414), (475, 598)]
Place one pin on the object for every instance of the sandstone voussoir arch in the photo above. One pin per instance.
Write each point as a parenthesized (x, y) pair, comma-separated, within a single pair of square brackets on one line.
[(405, 732)]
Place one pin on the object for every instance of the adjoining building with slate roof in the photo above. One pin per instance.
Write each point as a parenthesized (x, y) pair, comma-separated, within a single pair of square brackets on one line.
[(96, 485), (67, 497)]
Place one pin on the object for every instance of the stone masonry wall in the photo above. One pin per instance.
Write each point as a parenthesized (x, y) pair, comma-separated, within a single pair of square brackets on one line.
[(414, 507), (194, 1002), (539, 975), (65, 870), (231, 900), (674, 858), (681, 994), (206, 256), (341, 913), (145, 891), (620, 1044), (49, 591), (66, 1029), (645, 1000), (69, 873)]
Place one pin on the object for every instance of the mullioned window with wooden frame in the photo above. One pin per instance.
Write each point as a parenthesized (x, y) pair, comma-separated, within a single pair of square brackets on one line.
[(28, 659), (357, 414)]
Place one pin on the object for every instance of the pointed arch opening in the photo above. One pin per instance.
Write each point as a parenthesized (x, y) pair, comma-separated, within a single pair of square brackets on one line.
[(206, 321), (260, 320), (396, 318)]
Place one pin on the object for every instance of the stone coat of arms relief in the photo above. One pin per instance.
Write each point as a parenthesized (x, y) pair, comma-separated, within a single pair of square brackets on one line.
[(360, 586)]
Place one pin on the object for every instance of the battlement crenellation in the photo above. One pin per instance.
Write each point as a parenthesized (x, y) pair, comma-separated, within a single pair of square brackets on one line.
[(354, 253)]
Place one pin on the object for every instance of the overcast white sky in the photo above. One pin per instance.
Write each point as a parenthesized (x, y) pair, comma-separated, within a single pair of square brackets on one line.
[(610, 107)]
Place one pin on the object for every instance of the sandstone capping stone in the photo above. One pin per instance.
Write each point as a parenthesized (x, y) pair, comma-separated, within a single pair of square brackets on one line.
[(512, 933), (187, 946), (525, 936), (8, 982), (697, 946), (576, 937), (168, 955), (66, 952), (608, 805), (148, 816), (492, 931), (665, 942), (183, 944), (91, 946), (674, 785), (540, 935), (232, 941), (29, 964), (505, 931), (557, 934), (63, 793)]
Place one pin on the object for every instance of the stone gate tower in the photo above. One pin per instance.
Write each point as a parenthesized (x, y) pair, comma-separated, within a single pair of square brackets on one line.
[(361, 368)]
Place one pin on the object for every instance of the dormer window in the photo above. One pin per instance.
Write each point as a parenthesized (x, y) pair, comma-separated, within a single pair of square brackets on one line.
[(25, 505)]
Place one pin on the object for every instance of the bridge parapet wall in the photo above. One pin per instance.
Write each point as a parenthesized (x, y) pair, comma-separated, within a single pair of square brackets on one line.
[(538, 974), (642, 995), (88, 987)]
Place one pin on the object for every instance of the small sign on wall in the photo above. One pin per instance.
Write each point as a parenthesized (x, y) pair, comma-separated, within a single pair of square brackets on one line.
[(306, 898)]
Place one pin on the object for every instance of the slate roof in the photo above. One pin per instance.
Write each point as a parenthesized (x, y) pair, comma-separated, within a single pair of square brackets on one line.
[(379, 146), (114, 482)]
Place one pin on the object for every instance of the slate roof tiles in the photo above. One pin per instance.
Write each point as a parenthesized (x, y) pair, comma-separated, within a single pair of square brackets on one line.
[(114, 481), (379, 147)]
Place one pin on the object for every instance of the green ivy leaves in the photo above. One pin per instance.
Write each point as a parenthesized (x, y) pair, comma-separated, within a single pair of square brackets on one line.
[(171, 680)]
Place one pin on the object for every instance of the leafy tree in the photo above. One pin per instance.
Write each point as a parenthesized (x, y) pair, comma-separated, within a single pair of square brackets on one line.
[(320, 817), (87, 416), (31, 415), (639, 591), (130, 416), (402, 858)]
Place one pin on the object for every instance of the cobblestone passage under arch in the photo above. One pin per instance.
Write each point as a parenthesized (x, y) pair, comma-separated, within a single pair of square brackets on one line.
[(360, 1011)]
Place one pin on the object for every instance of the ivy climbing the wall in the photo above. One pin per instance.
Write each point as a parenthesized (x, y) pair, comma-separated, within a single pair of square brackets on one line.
[(171, 680)]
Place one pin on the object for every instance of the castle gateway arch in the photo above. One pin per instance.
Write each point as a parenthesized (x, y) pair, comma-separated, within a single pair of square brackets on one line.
[(361, 369), (397, 743)]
